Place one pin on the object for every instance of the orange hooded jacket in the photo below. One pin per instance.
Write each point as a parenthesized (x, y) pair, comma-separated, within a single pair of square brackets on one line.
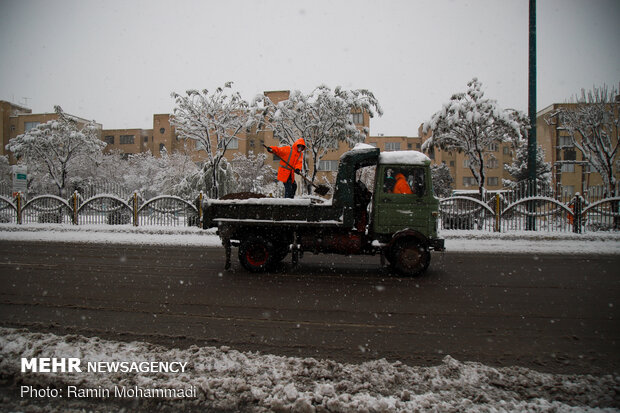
[(401, 186), (293, 157)]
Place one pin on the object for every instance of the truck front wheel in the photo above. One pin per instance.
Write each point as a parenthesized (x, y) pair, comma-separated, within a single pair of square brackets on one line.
[(409, 257), (256, 253)]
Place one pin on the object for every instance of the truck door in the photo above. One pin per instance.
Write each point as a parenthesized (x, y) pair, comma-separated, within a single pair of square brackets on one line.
[(401, 199)]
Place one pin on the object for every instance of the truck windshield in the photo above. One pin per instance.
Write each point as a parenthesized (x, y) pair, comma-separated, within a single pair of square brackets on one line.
[(404, 180)]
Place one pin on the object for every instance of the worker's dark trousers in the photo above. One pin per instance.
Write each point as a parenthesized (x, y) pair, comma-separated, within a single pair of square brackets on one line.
[(290, 187)]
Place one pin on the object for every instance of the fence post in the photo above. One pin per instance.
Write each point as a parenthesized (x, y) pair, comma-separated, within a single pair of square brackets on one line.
[(135, 209), (497, 213), (75, 207), (19, 208), (577, 214), (530, 224), (200, 209)]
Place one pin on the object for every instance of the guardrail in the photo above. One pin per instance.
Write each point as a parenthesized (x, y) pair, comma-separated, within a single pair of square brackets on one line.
[(109, 209)]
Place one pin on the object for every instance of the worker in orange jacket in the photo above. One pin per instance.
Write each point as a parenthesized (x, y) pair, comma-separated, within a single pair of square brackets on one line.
[(401, 186), (291, 161)]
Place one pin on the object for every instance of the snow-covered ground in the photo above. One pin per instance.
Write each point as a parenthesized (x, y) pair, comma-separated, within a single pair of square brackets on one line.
[(227, 380), (222, 379), (464, 241)]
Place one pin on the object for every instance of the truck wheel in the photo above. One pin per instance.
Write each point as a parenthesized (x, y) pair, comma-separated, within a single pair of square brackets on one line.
[(409, 257), (256, 253)]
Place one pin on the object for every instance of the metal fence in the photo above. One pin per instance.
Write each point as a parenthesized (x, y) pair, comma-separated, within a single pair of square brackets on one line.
[(108, 209), (523, 208), (529, 208)]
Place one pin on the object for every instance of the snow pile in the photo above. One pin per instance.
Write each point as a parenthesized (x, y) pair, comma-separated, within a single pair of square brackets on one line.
[(535, 242), (236, 381), (111, 234), (263, 201), (456, 240)]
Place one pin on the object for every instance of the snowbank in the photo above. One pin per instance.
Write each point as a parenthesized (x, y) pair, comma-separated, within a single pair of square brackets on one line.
[(456, 241), (226, 379)]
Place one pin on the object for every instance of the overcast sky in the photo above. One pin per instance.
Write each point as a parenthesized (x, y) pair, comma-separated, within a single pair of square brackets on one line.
[(117, 61)]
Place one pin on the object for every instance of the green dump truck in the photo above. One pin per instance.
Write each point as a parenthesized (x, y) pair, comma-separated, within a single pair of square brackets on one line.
[(400, 227)]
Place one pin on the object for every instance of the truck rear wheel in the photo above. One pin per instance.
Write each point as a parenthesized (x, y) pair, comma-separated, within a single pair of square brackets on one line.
[(256, 253), (409, 257)]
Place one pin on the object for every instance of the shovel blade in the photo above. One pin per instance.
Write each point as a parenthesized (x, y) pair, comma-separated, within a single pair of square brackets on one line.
[(321, 190)]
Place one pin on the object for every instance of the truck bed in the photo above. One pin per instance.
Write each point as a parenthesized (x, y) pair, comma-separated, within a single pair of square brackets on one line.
[(272, 211)]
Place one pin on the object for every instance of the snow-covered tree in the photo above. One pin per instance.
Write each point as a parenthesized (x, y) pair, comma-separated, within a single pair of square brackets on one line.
[(592, 123), (252, 173), (112, 167), (472, 124), (57, 146), (213, 120), (519, 168), (442, 180), (206, 179), (5, 170), (323, 118)]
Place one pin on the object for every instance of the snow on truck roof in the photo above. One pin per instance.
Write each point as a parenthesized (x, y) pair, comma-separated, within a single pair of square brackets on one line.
[(404, 157), (395, 157)]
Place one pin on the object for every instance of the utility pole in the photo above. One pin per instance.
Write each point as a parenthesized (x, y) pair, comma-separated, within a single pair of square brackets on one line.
[(531, 141)]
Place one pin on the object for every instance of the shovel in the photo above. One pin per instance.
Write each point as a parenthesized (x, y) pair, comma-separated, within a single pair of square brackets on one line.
[(320, 189)]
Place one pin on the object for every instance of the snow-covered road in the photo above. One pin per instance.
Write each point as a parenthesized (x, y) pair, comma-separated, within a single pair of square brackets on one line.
[(223, 379)]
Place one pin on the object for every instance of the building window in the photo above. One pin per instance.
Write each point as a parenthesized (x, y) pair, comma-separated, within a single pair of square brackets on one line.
[(162, 130), (233, 143), (127, 139), (493, 181), (570, 155), (392, 146), (358, 118), (30, 125), (409, 146), (109, 139), (568, 167), (506, 150), (452, 163), (469, 181), (493, 164), (372, 144), (564, 141), (493, 147), (146, 139), (328, 165)]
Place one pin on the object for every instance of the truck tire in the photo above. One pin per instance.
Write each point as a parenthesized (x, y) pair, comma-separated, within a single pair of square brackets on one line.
[(409, 257), (256, 253)]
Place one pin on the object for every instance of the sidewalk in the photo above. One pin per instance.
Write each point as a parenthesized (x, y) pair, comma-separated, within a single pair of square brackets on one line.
[(462, 241)]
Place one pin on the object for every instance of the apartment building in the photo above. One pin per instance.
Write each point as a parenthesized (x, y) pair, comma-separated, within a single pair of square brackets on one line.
[(502, 155), (162, 137), (16, 120), (571, 173)]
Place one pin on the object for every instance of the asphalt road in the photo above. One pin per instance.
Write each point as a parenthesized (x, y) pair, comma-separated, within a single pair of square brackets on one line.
[(553, 313)]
